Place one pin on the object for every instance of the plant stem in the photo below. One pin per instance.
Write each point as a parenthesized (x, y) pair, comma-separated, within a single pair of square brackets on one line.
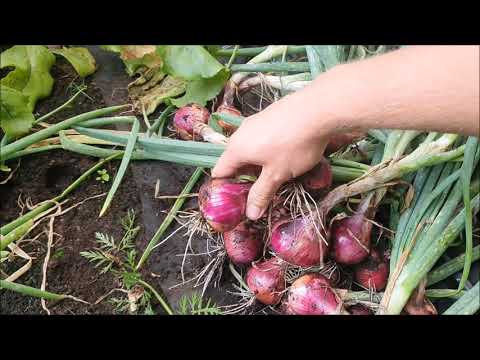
[(160, 121), (271, 67), (31, 151), (15, 234), (468, 304), (61, 107), (162, 302), (451, 267), (170, 216), (30, 291), (423, 156), (232, 57), (420, 263), (122, 168), (292, 49), (237, 276), (46, 133)]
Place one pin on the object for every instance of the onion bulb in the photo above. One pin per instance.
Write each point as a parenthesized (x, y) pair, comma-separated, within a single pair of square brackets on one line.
[(312, 294), (297, 242), (266, 280), (185, 119), (223, 202), (242, 244)]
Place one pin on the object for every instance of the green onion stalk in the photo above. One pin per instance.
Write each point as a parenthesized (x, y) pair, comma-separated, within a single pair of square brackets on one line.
[(253, 51), (427, 154), (425, 251), (43, 134), (31, 291), (429, 227), (243, 70), (451, 267), (468, 304)]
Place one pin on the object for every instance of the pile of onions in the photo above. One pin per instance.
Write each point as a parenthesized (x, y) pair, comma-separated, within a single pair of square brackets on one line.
[(319, 179), (185, 119), (312, 294), (266, 280), (223, 203), (242, 244), (350, 237), (298, 242), (373, 273)]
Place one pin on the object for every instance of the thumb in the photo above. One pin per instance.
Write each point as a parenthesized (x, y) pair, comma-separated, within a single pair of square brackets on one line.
[(227, 165), (261, 193)]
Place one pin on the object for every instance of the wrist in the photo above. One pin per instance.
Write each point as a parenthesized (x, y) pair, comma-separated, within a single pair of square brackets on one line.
[(333, 95)]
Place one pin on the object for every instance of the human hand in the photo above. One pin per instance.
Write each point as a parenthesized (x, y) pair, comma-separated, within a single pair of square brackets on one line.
[(282, 141)]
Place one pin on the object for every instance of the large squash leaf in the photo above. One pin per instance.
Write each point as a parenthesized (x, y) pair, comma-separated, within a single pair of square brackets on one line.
[(203, 90), (15, 117), (31, 75), (21, 88), (192, 62), (82, 61)]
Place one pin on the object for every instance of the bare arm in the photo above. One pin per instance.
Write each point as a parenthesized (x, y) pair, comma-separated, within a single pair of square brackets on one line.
[(432, 88)]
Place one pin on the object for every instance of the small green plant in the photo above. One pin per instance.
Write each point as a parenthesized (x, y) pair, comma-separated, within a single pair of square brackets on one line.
[(104, 177), (195, 305), (58, 254), (119, 258)]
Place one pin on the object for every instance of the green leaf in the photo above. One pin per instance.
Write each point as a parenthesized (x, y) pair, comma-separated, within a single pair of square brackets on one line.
[(192, 62), (200, 91), (82, 61), (31, 75), (16, 118)]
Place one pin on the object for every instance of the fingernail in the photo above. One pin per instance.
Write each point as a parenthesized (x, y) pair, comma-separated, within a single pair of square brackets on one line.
[(253, 212)]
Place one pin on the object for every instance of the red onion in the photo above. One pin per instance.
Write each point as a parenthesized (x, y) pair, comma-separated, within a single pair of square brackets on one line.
[(242, 244), (373, 273), (351, 235), (297, 242), (229, 110), (318, 179), (312, 294), (359, 309), (266, 280), (223, 202), (186, 117)]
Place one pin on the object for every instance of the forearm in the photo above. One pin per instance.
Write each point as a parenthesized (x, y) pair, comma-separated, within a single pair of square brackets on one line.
[(432, 88)]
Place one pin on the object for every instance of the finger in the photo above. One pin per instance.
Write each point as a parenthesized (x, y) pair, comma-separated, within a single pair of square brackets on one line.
[(227, 165), (261, 193)]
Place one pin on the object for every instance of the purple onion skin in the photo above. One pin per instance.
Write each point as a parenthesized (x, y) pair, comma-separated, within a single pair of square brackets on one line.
[(223, 203), (319, 179), (359, 309), (242, 244), (185, 118), (311, 294), (297, 242), (350, 238), (373, 273), (266, 280)]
